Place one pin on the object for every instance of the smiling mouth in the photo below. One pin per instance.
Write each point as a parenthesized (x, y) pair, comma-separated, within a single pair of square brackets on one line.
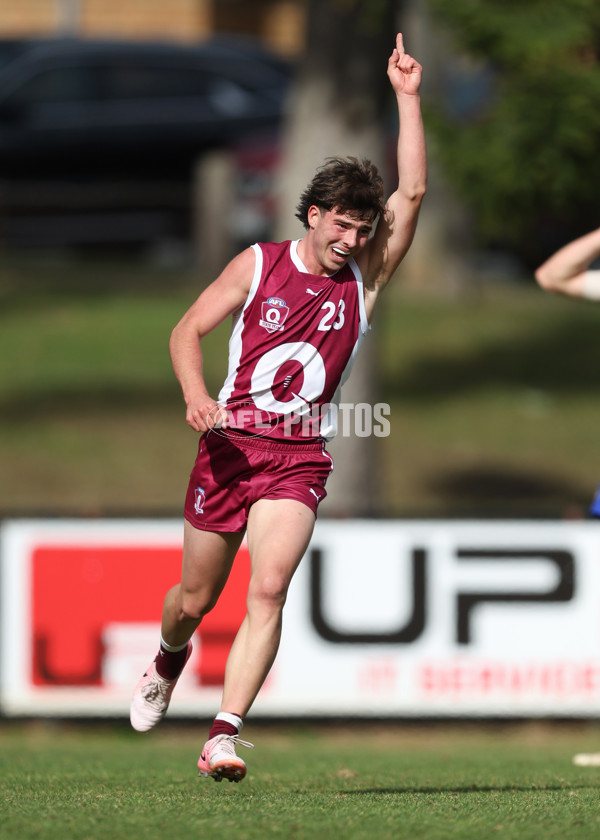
[(340, 252)]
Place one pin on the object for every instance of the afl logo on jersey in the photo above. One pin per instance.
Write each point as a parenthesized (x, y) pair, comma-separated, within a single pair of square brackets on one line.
[(273, 312)]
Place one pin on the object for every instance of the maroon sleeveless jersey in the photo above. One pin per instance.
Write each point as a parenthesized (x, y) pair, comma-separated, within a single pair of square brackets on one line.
[(292, 346)]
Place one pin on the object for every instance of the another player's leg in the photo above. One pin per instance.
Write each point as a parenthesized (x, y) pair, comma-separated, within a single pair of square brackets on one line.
[(207, 559), (152, 694), (278, 535), (595, 506)]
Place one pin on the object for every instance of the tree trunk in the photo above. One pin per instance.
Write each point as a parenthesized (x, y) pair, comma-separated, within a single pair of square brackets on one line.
[(338, 108), (68, 17)]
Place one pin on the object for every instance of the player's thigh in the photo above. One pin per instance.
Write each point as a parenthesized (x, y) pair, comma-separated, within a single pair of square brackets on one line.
[(279, 532), (207, 560)]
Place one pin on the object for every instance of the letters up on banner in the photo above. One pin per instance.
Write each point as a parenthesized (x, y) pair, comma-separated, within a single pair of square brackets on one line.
[(392, 618)]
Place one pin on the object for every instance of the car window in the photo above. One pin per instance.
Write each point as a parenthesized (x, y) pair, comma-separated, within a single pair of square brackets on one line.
[(126, 81), (56, 84), (9, 50), (228, 88), (252, 75)]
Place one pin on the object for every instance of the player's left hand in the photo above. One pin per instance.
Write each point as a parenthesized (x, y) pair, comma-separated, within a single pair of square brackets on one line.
[(403, 71)]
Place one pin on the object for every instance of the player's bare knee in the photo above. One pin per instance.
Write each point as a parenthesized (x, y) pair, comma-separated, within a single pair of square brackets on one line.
[(269, 592), (193, 606)]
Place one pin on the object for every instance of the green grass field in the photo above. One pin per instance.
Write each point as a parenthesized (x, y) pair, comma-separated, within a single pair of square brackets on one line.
[(365, 782), (493, 394)]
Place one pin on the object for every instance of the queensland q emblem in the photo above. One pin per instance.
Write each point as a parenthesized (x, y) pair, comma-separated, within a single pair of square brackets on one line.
[(273, 312), (312, 381), (199, 500)]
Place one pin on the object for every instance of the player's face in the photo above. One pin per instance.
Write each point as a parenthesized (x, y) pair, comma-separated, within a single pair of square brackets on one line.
[(337, 237)]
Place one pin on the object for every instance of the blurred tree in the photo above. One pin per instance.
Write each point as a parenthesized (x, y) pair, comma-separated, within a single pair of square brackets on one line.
[(517, 130), (339, 107), (340, 101)]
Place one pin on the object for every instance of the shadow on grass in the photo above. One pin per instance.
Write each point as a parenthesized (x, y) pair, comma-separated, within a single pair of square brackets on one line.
[(486, 484), (95, 398), (470, 789), (557, 357)]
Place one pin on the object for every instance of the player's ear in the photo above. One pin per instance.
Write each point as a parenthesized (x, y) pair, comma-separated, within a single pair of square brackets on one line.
[(313, 216)]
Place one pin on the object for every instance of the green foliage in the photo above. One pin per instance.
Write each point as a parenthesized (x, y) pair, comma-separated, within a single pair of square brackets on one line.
[(526, 162)]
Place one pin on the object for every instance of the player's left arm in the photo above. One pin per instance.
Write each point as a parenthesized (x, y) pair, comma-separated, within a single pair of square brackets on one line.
[(396, 228)]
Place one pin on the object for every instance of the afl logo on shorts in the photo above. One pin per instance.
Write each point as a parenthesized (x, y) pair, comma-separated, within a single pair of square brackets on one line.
[(200, 498), (273, 312)]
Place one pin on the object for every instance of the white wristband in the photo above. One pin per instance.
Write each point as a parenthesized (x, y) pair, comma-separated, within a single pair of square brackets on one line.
[(591, 285)]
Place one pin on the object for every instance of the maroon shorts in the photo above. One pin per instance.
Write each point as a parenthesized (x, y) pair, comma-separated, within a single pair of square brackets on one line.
[(234, 471)]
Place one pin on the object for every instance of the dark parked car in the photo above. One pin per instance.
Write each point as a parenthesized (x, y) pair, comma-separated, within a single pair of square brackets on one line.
[(91, 127), (76, 106)]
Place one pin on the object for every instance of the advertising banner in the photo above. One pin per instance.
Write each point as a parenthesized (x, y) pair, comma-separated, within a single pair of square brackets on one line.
[(383, 618)]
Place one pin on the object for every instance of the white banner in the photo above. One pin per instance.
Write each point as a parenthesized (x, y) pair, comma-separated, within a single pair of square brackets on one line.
[(384, 618)]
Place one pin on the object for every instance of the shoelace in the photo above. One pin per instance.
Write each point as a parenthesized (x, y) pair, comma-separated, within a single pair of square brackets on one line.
[(231, 741), (154, 692)]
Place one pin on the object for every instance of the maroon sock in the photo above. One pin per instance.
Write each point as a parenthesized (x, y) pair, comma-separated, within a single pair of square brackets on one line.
[(169, 664), (222, 727)]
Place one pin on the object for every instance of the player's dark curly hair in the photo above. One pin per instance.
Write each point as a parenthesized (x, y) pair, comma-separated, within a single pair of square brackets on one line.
[(347, 185)]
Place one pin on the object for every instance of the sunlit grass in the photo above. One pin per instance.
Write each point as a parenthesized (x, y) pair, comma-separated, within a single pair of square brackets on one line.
[(465, 782)]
